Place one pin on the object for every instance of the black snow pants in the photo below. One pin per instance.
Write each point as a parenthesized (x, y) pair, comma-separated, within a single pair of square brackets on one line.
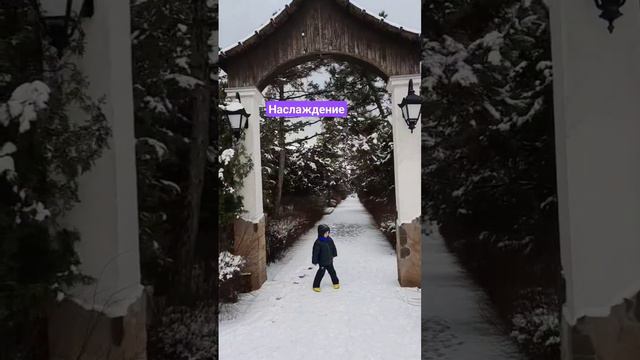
[(320, 275)]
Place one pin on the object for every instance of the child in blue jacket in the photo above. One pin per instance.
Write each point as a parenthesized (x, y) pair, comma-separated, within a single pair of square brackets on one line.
[(324, 250)]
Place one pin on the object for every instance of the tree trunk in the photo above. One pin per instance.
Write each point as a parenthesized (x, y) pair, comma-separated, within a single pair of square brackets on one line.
[(374, 94), (281, 163), (198, 146)]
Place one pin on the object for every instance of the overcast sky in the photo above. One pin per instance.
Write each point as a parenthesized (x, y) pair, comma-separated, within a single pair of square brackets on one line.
[(240, 18)]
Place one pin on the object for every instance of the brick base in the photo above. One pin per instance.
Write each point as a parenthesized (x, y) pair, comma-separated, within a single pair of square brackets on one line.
[(76, 333), (409, 253), (615, 337), (250, 243)]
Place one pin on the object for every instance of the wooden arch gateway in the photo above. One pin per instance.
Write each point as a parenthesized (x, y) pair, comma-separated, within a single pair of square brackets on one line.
[(307, 30)]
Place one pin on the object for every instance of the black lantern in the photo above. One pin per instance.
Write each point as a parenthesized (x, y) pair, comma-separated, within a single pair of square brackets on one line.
[(411, 107), (59, 21), (236, 116), (610, 10)]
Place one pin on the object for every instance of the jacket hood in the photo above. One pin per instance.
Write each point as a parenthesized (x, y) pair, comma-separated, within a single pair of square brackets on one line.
[(322, 229)]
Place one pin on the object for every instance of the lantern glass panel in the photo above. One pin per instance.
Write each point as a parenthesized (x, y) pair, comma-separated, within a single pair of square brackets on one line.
[(413, 111), (405, 111), (56, 26), (235, 119), (51, 8)]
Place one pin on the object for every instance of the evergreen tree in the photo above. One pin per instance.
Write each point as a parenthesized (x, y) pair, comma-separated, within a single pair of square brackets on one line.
[(281, 135), (488, 150), (173, 67), (43, 152), (367, 132)]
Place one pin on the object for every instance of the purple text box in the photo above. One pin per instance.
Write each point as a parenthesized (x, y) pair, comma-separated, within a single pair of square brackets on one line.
[(320, 108)]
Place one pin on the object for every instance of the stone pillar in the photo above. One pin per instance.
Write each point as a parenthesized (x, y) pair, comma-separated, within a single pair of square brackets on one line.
[(106, 319), (250, 242), (597, 124), (249, 229), (407, 171)]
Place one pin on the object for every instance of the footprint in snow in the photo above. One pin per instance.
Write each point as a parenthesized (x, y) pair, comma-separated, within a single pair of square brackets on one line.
[(442, 340)]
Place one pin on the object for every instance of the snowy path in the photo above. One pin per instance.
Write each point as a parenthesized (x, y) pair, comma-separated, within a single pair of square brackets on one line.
[(370, 317), (453, 311)]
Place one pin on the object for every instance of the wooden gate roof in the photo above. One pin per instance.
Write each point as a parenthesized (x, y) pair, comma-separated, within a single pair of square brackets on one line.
[(311, 29)]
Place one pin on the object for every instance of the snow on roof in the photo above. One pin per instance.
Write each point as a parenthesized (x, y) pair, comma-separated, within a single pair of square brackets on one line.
[(283, 13), (232, 106), (258, 30), (401, 27)]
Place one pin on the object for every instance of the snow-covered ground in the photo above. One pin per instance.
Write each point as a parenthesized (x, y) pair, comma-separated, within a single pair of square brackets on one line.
[(455, 318), (370, 317)]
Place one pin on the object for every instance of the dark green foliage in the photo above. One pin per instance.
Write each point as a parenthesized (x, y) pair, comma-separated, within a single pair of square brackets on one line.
[(227, 177), (38, 262), (352, 154), (304, 212), (488, 148), (347, 151), (367, 134), (184, 333), (159, 34), (163, 99)]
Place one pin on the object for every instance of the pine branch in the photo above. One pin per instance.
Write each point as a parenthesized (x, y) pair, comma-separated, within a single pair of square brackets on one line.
[(302, 139)]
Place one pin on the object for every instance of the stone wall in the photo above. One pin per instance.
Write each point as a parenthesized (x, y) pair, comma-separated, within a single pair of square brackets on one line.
[(76, 333), (614, 337), (250, 243), (409, 253)]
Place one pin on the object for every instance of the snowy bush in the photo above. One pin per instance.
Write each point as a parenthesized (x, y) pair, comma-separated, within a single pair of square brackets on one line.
[(229, 281), (226, 156), (387, 222), (234, 164), (539, 327), (279, 229), (26, 100), (280, 232), (388, 226), (535, 324), (185, 334), (229, 265)]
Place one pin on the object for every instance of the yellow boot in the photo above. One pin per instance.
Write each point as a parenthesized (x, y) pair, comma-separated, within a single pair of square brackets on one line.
[(336, 286), (316, 289)]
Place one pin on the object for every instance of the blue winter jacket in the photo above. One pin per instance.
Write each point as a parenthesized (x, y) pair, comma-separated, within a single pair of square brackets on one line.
[(324, 250)]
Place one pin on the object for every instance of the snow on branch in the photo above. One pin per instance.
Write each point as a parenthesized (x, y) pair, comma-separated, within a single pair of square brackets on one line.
[(184, 81), (228, 264), (26, 100)]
